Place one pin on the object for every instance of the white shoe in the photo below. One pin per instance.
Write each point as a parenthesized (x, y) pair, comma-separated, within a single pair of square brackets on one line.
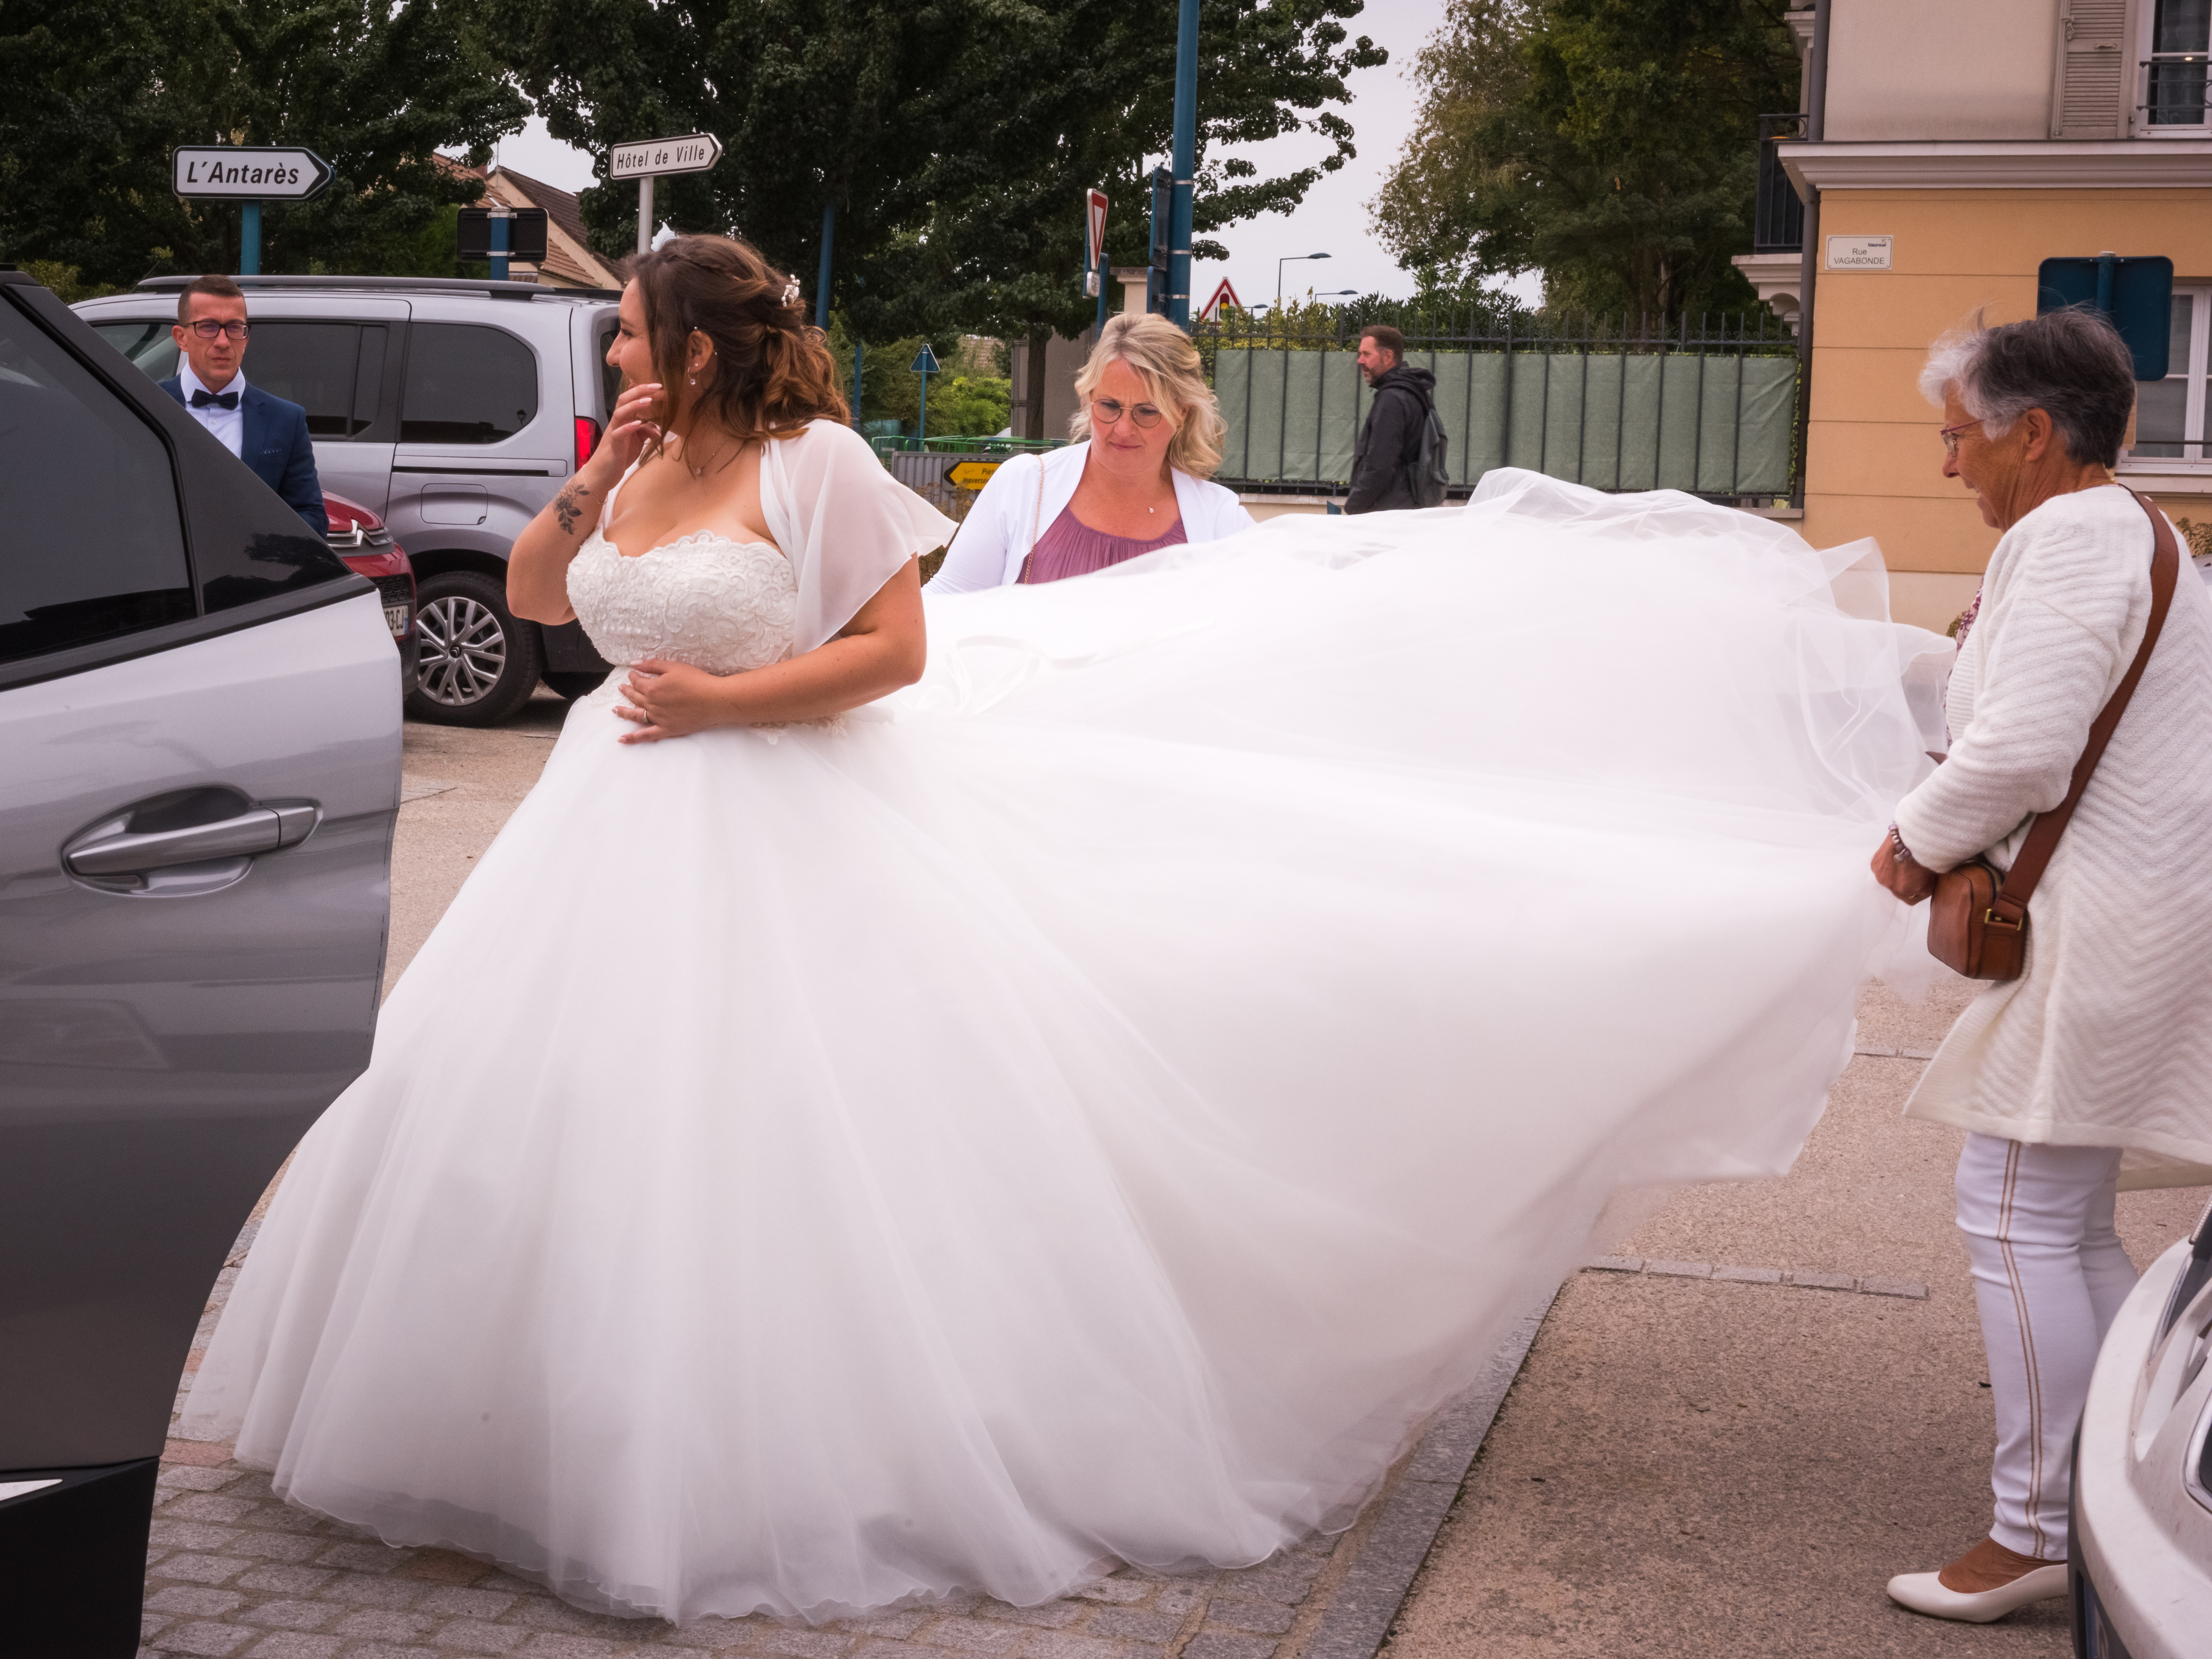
[(1925, 1592)]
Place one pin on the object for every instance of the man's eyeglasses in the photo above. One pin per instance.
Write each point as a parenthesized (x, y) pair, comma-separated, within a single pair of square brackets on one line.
[(1105, 411), (1949, 435), (206, 328)]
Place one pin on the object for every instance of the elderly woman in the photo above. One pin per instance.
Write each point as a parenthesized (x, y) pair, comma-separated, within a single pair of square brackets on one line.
[(1147, 438), (2094, 1059)]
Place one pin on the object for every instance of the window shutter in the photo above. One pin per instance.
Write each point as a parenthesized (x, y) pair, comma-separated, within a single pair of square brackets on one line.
[(2089, 99)]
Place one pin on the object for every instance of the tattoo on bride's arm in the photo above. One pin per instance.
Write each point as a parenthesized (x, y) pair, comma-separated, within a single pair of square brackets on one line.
[(567, 508)]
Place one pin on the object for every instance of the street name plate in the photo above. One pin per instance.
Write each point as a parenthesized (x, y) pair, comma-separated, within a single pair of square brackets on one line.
[(1859, 252), (242, 172), (971, 475), (695, 152)]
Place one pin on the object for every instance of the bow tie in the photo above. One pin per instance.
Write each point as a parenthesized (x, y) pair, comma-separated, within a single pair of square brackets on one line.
[(202, 397)]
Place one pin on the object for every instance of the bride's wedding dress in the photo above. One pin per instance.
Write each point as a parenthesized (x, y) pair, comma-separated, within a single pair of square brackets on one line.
[(1091, 1105)]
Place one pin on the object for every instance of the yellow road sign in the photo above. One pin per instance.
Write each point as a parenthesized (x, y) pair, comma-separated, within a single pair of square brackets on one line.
[(971, 475)]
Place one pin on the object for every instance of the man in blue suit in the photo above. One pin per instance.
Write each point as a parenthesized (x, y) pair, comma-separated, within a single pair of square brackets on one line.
[(266, 433)]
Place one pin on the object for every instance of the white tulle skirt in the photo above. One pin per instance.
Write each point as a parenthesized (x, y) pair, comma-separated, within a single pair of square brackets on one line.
[(1091, 1106)]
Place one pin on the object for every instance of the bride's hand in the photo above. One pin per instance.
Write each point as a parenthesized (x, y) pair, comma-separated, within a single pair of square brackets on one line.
[(629, 428), (670, 699)]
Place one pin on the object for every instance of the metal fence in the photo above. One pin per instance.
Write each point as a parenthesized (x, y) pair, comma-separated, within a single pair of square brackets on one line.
[(1607, 402), (927, 466)]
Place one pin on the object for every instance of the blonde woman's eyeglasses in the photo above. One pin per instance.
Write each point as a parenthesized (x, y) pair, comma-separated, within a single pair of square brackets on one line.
[(1949, 435), (1105, 411)]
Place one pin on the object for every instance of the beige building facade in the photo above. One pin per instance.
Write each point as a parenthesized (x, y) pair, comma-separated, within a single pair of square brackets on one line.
[(1963, 144)]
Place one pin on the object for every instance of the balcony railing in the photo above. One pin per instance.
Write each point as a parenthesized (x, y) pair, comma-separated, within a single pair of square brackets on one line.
[(2173, 84), (1777, 220)]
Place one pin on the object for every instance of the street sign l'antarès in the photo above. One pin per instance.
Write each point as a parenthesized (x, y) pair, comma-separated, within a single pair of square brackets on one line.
[(247, 172), (694, 152), (970, 475)]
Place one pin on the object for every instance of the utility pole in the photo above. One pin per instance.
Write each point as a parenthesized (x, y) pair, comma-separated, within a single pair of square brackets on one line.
[(1185, 162), (822, 280)]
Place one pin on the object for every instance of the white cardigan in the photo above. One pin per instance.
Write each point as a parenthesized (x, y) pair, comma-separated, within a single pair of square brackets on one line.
[(1008, 517), (2107, 1039)]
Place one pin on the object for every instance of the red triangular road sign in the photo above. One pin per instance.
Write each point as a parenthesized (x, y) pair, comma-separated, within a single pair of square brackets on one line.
[(1094, 226), (1223, 295)]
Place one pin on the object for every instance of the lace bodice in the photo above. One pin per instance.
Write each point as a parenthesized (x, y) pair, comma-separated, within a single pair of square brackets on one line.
[(720, 604)]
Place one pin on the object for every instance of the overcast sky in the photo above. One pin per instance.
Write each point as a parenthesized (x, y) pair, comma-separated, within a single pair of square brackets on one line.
[(1333, 219)]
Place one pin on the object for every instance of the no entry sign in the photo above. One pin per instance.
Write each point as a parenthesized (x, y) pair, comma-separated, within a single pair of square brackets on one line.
[(246, 173)]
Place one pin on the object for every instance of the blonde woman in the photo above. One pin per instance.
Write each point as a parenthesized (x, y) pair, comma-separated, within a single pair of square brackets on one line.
[(1147, 439)]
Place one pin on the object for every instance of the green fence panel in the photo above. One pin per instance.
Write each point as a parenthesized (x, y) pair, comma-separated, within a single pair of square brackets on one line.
[(1718, 424)]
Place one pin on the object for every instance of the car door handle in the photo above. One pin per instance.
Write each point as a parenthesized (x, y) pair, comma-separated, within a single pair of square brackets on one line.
[(109, 849)]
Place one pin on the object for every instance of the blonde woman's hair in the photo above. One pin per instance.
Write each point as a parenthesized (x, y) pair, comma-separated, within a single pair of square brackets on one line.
[(1174, 377)]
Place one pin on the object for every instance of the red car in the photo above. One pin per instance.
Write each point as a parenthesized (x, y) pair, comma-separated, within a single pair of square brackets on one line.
[(358, 537)]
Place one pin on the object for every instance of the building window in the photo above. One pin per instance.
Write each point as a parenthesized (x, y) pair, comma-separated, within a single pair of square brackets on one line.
[(2170, 424), (2172, 74)]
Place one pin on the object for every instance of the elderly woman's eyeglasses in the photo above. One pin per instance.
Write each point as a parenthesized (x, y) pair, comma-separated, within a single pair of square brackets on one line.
[(206, 328), (1949, 435), (1105, 411)]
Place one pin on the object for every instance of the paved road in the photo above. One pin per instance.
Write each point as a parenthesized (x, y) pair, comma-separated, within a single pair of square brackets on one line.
[(1686, 1465)]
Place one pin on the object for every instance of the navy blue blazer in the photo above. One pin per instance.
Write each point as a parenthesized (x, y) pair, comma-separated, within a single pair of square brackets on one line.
[(275, 444)]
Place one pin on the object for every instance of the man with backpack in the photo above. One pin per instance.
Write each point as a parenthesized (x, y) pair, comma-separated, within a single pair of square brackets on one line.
[(1399, 460)]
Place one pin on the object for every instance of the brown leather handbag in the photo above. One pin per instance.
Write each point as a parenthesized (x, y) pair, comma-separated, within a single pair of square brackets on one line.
[(1977, 919)]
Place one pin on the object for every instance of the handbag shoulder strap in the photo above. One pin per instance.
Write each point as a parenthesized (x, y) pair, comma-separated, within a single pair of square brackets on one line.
[(2043, 838), (1037, 522)]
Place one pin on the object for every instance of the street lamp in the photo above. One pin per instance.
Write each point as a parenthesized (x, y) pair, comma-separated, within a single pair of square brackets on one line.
[(1287, 259)]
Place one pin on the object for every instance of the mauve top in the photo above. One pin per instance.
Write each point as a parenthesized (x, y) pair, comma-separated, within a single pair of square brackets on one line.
[(1070, 547)]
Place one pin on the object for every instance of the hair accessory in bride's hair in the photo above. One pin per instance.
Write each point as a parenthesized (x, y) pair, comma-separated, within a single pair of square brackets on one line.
[(791, 292)]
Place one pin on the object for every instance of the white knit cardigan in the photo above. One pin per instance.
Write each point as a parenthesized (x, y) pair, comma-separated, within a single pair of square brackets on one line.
[(2107, 1039)]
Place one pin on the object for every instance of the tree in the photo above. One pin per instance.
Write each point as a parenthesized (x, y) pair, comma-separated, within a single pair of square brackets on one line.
[(1611, 144), (956, 136), (100, 94), (1083, 93)]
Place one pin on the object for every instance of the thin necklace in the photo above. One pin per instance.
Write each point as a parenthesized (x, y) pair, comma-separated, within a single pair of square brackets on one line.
[(700, 472)]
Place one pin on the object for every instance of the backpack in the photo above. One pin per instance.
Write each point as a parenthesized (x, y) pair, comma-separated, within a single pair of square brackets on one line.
[(1426, 474)]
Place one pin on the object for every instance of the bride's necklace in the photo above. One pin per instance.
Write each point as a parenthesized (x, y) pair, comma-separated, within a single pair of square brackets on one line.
[(715, 461)]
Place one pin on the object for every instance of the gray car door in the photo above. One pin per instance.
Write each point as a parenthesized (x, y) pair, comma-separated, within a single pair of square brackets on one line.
[(199, 736)]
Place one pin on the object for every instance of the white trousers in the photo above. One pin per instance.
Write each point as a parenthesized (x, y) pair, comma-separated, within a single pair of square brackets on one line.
[(2048, 1278)]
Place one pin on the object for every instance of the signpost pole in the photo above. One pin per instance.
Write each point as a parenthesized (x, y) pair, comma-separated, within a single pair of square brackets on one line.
[(1185, 164), (1102, 292), (249, 238), (645, 214), (499, 228), (859, 354), (822, 280), (922, 426)]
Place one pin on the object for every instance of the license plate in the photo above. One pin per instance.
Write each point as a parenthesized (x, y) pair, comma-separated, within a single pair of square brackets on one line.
[(395, 618)]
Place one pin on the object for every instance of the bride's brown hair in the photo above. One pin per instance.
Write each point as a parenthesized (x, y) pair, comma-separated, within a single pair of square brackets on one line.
[(772, 370)]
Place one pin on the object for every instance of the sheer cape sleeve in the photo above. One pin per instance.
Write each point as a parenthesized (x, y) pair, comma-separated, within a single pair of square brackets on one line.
[(847, 525)]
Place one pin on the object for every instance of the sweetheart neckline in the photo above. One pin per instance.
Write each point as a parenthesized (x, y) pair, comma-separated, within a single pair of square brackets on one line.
[(695, 536)]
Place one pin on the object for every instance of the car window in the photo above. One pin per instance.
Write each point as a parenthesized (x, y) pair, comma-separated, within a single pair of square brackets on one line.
[(466, 383), (312, 364), (147, 343), (92, 542), (610, 376)]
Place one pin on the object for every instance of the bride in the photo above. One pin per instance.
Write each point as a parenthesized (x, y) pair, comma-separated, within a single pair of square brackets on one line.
[(865, 1130)]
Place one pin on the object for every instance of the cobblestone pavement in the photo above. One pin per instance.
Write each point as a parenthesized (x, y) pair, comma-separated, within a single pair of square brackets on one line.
[(232, 1572)]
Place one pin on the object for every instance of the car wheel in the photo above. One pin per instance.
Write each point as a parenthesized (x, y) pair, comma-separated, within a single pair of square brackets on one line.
[(478, 665), (573, 685)]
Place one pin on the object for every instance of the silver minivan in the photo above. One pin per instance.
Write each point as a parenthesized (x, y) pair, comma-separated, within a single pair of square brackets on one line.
[(453, 407), (199, 778)]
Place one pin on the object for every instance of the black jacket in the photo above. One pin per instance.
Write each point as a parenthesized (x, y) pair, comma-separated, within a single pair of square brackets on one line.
[(1389, 440)]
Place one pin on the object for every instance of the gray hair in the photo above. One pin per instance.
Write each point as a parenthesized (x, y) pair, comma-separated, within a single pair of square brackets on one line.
[(2070, 364)]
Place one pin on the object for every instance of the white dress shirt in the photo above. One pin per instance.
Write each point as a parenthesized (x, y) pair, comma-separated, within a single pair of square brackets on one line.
[(228, 425)]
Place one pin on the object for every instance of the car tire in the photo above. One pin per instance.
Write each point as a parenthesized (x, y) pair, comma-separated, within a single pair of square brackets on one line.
[(478, 664), (572, 685)]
